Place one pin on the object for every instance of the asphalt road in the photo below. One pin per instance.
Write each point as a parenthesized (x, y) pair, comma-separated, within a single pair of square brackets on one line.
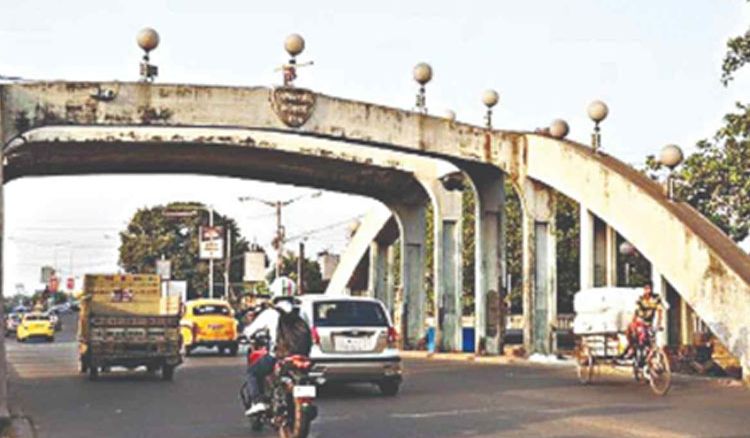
[(438, 399)]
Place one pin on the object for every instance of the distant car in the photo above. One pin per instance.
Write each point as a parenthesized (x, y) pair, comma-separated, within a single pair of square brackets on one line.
[(353, 340), (35, 325), (209, 323), (20, 309), (11, 323)]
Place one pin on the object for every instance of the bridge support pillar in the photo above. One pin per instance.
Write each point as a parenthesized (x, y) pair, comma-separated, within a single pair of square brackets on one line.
[(539, 268), (587, 248), (448, 266), (409, 308), (378, 275), (489, 265), (660, 289), (610, 243)]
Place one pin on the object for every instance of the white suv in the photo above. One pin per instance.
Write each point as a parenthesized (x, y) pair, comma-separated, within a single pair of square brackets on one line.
[(353, 340)]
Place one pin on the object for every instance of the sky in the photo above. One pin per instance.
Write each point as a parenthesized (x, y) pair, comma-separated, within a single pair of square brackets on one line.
[(656, 64)]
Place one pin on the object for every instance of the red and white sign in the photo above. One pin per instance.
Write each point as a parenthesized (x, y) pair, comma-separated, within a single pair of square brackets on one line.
[(211, 243), (70, 284)]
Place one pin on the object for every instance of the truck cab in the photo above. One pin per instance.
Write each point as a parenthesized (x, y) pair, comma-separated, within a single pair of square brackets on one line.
[(209, 323)]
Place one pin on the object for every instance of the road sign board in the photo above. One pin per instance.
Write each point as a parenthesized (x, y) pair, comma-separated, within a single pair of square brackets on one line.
[(211, 243), (164, 269)]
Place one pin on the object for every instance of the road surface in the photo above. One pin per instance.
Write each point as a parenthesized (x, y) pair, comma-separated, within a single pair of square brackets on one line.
[(438, 399)]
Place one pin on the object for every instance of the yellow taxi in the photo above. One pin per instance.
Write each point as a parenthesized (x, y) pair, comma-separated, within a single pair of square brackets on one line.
[(209, 323), (35, 325)]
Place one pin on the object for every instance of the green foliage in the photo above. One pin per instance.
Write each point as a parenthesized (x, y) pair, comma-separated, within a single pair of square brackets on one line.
[(738, 54), (313, 276), (715, 179), (568, 230), (514, 247), (151, 235)]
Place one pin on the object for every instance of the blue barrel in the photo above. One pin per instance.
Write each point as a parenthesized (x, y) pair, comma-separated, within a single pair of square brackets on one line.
[(468, 339), (431, 339)]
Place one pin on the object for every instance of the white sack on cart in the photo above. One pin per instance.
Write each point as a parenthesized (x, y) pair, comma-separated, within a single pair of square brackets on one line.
[(604, 309)]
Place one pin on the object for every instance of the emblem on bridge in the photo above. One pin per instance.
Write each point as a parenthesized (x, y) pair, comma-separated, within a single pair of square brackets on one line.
[(293, 106)]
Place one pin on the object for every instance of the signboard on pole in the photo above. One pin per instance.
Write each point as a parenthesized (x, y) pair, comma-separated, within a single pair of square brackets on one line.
[(255, 266), (283, 287), (211, 243), (70, 283), (164, 269)]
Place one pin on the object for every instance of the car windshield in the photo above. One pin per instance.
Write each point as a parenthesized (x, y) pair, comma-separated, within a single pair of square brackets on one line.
[(37, 318), (211, 309), (349, 314)]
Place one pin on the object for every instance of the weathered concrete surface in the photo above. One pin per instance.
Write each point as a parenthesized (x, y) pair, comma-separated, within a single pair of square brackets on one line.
[(367, 231), (704, 266)]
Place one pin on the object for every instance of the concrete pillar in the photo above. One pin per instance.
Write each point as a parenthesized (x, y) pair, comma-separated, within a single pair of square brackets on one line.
[(587, 248), (448, 266), (390, 282), (411, 298), (611, 256), (539, 268), (660, 289), (378, 272), (490, 264)]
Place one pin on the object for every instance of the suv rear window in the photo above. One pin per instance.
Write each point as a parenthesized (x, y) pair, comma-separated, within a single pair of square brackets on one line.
[(209, 309), (348, 314)]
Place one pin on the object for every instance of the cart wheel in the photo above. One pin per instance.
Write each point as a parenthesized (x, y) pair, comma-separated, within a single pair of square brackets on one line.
[(659, 373), (585, 365)]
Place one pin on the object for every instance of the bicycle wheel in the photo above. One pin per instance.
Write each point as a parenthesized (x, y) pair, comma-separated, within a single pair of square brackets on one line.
[(585, 365), (659, 373)]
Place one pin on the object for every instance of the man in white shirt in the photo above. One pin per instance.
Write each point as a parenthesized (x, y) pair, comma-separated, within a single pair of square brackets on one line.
[(257, 372)]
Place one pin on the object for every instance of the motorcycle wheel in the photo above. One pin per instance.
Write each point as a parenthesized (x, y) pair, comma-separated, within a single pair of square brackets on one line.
[(297, 425), (659, 373)]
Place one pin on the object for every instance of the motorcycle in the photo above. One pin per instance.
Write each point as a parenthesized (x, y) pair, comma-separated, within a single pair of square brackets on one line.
[(289, 391)]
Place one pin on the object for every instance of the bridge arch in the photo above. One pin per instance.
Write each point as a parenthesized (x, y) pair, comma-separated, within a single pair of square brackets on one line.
[(710, 272)]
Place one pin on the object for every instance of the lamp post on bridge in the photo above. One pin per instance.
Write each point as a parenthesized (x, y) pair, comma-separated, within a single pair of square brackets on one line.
[(597, 111), (671, 156), (490, 98), (422, 74), (148, 40)]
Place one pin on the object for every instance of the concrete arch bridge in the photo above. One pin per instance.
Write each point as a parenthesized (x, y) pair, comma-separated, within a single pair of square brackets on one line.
[(292, 135)]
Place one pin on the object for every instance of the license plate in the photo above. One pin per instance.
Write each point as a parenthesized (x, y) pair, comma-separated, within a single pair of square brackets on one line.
[(216, 326), (304, 391), (351, 344)]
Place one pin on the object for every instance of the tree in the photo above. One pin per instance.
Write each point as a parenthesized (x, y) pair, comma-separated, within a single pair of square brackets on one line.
[(151, 235), (312, 274), (738, 54), (715, 179)]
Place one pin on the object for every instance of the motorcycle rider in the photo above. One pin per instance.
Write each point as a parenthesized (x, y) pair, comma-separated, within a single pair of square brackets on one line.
[(648, 306), (289, 335)]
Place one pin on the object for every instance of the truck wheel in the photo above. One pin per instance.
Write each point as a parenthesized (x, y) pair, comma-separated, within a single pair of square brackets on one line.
[(232, 350), (167, 372), (152, 369), (93, 373)]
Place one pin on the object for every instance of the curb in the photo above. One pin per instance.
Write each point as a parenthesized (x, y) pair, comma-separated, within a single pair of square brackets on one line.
[(602, 370)]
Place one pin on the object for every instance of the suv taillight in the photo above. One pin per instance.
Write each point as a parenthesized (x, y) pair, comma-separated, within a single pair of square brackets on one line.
[(315, 336), (392, 337)]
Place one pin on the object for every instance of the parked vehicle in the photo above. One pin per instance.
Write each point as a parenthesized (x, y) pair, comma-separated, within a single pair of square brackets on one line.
[(289, 392), (353, 341), (209, 323), (122, 324), (12, 320), (35, 325)]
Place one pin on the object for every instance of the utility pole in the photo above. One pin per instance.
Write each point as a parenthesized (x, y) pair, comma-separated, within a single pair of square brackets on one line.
[(301, 268), (211, 260), (278, 241), (227, 263)]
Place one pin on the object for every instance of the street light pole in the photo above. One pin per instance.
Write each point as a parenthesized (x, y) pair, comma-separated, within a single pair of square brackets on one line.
[(211, 260)]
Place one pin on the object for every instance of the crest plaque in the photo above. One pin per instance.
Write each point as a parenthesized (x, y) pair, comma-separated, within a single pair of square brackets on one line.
[(293, 106)]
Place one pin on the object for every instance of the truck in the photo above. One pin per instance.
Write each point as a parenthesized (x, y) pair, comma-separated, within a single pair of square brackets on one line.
[(124, 321)]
